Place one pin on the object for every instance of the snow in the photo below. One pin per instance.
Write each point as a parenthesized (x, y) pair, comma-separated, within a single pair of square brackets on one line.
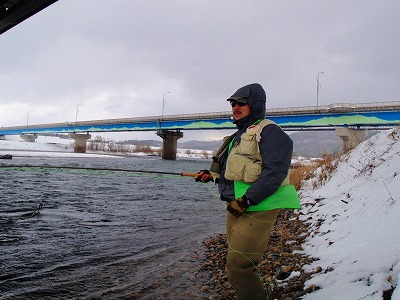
[(353, 219), (44, 147), (56, 147)]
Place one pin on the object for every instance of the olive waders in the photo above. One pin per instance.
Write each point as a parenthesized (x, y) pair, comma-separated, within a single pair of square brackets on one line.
[(247, 238)]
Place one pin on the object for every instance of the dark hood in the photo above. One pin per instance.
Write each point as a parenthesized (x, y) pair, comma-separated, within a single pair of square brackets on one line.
[(256, 98)]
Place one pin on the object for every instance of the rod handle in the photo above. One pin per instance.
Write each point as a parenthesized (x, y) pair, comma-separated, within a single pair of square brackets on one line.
[(189, 174)]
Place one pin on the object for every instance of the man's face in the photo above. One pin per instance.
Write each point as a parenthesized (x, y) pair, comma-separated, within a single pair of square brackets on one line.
[(239, 110)]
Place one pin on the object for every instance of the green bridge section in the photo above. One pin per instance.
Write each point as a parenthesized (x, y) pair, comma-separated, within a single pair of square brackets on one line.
[(382, 115), (348, 120)]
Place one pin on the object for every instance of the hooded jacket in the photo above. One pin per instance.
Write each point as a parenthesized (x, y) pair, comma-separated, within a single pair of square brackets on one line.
[(275, 146)]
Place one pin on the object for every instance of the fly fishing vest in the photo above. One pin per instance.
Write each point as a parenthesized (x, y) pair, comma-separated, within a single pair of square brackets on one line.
[(244, 165)]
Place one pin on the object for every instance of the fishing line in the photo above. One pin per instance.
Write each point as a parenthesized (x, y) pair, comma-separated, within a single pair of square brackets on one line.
[(245, 255), (95, 169), (224, 204), (242, 253), (99, 170)]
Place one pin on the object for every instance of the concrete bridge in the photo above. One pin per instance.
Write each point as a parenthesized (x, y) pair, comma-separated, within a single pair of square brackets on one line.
[(349, 121)]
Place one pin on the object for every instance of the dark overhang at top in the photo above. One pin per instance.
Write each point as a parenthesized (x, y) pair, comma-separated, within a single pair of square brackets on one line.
[(13, 12)]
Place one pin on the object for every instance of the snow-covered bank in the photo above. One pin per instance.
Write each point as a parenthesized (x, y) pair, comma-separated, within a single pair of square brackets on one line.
[(47, 147), (55, 147), (354, 224)]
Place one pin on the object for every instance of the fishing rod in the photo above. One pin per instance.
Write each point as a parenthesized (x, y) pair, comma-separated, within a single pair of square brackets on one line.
[(97, 169)]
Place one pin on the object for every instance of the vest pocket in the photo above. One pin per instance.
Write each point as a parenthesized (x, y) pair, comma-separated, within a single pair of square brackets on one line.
[(251, 172), (235, 167), (248, 145), (242, 168)]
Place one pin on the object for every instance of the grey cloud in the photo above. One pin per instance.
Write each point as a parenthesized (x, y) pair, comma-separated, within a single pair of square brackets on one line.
[(131, 52)]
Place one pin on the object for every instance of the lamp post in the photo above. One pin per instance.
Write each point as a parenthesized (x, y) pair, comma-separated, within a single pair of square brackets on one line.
[(163, 104), (77, 111), (318, 85), (27, 118)]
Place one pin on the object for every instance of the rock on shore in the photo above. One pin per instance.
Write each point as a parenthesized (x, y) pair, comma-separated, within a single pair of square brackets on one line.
[(281, 268)]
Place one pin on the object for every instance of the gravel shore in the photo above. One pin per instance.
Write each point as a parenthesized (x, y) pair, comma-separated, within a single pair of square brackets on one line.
[(281, 268)]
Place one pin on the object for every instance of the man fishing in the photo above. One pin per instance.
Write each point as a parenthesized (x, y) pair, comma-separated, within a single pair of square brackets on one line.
[(252, 172)]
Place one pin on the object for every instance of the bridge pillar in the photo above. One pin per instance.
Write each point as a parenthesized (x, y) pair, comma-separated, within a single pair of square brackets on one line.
[(80, 141), (2, 137), (31, 138), (170, 144), (350, 137)]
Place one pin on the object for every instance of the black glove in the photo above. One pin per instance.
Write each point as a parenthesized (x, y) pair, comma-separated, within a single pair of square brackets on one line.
[(238, 206), (204, 176)]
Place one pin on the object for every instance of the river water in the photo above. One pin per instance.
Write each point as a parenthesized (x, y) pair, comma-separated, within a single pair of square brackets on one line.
[(102, 234)]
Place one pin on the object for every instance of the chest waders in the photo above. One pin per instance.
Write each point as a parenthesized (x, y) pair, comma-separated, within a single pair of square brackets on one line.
[(244, 166)]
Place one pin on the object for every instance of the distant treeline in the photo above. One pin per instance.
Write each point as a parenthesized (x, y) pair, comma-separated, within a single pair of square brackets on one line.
[(103, 145), (305, 143)]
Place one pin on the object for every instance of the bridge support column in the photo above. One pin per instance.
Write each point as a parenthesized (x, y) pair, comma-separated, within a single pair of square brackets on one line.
[(80, 141), (2, 137), (350, 137), (31, 138), (170, 144)]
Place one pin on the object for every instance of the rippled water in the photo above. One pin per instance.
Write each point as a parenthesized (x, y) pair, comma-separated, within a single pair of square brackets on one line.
[(104, 235)]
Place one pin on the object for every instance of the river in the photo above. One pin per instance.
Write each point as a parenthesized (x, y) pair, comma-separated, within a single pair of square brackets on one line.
[(103, 234)]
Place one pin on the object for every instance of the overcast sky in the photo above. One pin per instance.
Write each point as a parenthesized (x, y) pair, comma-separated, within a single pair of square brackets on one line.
[(115, 59)]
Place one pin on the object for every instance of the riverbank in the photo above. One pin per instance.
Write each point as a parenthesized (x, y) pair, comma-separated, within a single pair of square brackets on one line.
[(55, 147), (281, 268), (343, 243)]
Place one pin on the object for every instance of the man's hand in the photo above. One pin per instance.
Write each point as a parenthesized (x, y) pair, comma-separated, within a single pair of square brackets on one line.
[(238, 206), (204, 176)]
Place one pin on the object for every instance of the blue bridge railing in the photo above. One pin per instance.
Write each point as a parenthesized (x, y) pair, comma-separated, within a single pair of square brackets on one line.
[(364, 115)]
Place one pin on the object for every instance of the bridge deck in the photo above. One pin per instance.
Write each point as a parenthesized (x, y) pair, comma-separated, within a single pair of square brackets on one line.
[(371, 115)]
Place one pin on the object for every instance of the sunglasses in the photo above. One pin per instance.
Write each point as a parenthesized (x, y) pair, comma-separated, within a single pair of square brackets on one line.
[(233, 103)]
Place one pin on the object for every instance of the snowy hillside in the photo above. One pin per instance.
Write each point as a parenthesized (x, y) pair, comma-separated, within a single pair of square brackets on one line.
[(354, 220)]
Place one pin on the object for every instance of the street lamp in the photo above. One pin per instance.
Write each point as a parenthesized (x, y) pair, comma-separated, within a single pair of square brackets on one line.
[(163, 104), (318, 85), (27, 118), (77, 111)]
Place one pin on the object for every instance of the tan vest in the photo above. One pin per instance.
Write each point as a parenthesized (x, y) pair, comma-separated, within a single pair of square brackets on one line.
[(244, 160)]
